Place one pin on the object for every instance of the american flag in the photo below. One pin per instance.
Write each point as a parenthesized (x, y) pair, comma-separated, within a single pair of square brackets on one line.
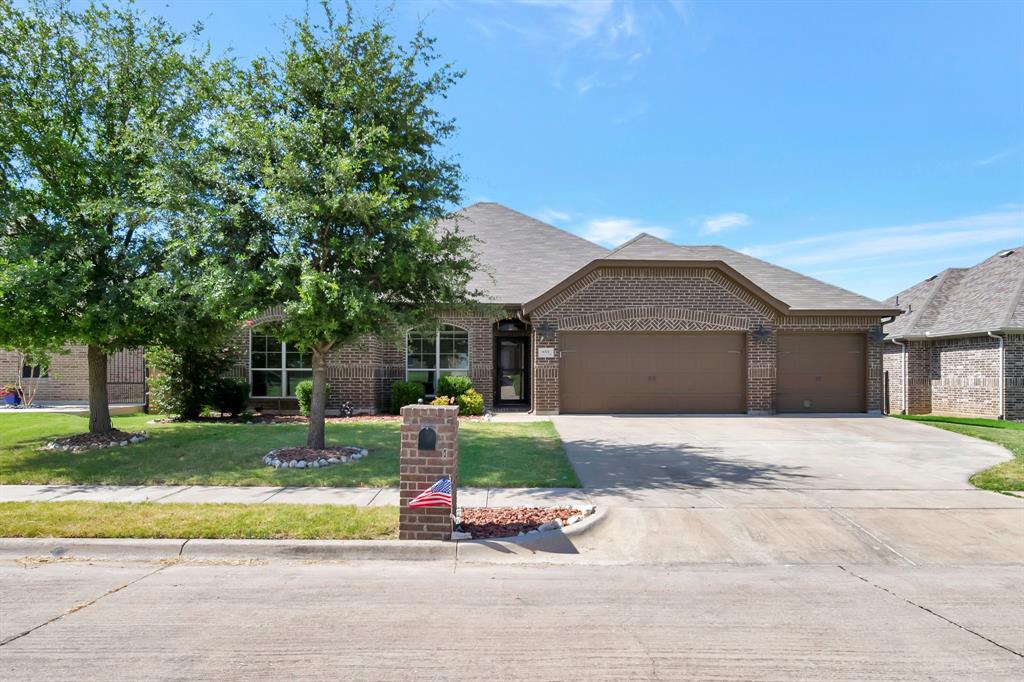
[(439, 495)]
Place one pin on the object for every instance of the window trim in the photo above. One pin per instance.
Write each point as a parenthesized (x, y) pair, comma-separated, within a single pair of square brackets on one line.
[(284, 369), (436, 368)]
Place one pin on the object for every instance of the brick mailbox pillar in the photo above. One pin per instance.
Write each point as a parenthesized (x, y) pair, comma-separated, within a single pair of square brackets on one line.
[(430, 451)]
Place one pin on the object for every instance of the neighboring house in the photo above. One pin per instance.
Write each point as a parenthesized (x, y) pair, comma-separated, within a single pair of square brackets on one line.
[(958, 348), (68, 377), (650, 327)]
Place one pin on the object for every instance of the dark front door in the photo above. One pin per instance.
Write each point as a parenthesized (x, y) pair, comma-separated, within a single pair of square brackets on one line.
[(512, 375)]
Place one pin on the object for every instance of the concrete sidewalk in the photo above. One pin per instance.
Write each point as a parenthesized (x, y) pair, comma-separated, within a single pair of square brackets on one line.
[(360, 497)]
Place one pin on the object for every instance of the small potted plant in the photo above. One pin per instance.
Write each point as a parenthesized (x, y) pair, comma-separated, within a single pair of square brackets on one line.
[(10, 395)]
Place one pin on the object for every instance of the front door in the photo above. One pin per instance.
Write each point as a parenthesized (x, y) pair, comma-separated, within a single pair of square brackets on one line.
[(512, 375)]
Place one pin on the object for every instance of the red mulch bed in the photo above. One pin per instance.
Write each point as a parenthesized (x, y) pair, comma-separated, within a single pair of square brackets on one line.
[(312, 454), (91, 440), (503, 522)]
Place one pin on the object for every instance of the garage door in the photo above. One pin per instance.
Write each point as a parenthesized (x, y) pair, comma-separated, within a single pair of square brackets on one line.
[(652, 373), (821, 373)]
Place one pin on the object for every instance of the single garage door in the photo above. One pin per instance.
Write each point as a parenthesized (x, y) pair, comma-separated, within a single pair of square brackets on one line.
[(821, 373), (668, 373)]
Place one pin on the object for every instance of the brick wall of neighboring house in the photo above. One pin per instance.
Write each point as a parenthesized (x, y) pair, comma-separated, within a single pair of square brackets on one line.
[(68, 378), (958, 377), (892, 373), (964, 377), (1014, 378), (680, 299)]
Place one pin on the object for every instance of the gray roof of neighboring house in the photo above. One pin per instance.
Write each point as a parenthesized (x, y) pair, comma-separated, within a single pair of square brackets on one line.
[(798, 292), (986, 297), (524, 256)]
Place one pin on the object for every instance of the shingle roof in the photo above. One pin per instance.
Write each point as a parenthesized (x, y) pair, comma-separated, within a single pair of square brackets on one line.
[(798, 292), (523, 256), (986, 297)]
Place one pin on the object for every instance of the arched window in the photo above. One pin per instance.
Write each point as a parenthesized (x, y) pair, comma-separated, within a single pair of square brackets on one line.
[(276, 367), (435, 353)]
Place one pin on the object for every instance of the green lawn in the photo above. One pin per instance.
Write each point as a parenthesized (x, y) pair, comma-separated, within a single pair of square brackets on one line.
[(152, 520), (528, 454), (1006, 476)]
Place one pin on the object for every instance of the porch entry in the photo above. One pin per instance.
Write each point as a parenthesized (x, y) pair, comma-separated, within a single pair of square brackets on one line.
[(512, 356)]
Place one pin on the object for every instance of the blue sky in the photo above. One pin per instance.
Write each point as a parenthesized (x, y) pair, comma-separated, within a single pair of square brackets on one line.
[(868, 144)]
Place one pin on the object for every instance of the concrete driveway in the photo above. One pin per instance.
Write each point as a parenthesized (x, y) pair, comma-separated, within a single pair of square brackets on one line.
[(848, 489)]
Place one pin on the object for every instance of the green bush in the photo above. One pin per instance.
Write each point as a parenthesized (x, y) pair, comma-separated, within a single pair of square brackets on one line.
[(471, 403), (453, 385), (304, 394), (185, 380), (443, 400), (230, 396), (405, 393)]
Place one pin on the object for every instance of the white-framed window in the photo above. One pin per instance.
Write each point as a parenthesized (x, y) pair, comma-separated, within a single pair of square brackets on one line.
[(276, 367), (434, 353)]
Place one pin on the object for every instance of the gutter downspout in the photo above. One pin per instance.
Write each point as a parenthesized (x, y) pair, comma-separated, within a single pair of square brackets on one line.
[(1002, 374)]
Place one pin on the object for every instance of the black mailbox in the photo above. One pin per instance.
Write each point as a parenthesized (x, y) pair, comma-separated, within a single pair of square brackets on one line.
[(427, 439)]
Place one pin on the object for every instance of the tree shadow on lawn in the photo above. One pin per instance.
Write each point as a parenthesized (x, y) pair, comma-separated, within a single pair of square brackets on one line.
[(629, 470)]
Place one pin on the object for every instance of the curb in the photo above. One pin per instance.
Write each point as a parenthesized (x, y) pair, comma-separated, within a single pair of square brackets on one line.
[(138, 549), (126, 549), (141, 549)]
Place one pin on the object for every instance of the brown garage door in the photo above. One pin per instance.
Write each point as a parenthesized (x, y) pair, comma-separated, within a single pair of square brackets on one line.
[(821, 373), (652, 373)]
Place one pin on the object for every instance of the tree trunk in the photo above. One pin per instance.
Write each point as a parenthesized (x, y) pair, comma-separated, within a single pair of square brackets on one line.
[(318, 401), (99, 409)]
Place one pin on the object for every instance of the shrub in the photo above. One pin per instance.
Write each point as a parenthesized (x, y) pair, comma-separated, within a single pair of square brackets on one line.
[(304, 394), (443, 400), (405, 393), (453, 385), (187, 379), (230, 396), (471, 403)]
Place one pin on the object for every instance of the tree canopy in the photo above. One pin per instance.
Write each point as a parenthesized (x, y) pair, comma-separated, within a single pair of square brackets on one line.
[(106, 112), (342, 132)]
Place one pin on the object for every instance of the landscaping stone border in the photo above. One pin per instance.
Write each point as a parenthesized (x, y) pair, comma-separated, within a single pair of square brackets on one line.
[(133, 438), (583, 511)]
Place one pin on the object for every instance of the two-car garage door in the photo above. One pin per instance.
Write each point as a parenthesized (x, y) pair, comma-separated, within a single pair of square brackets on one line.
[(678, 373), (668, 373)]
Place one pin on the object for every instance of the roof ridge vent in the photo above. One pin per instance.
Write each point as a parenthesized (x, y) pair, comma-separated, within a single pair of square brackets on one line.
[(929, 279), (1004, 254)]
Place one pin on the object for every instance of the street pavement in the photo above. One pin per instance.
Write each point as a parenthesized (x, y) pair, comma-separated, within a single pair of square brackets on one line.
[(445, 620)]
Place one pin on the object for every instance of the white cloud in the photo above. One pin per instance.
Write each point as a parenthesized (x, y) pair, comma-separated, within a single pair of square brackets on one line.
[(999, 227), (552, 215), (615, 231), (998, 156), (723, 222), (587, 83)]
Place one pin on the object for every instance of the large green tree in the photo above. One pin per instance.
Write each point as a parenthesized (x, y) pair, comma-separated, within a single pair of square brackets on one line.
[(104, 110), (342, 130)]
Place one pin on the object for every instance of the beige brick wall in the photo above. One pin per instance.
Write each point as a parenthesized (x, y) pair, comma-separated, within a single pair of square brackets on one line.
[(69, 375)]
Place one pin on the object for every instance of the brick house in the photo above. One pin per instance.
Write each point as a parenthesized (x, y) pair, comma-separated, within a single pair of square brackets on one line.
[(649, 327), (958, 348)]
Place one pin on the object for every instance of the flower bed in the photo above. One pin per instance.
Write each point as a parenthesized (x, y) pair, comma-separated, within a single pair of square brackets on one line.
[(504, 522)]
